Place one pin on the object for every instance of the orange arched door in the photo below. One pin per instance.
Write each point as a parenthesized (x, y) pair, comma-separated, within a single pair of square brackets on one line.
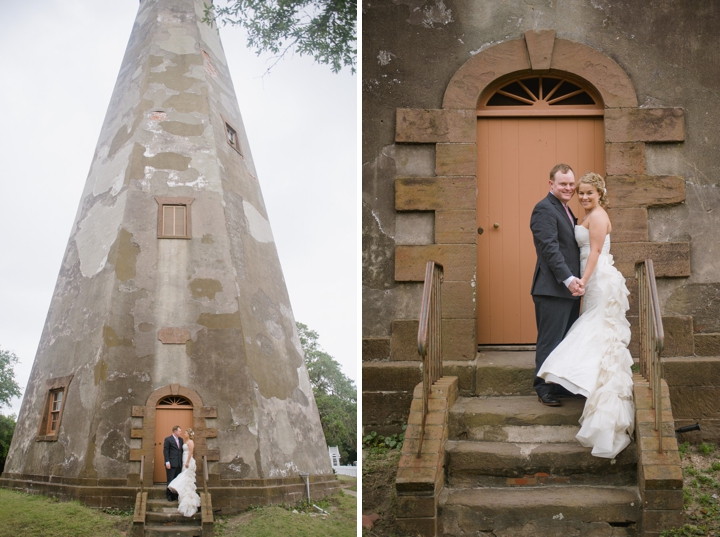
[(515, 155), (170, 411)]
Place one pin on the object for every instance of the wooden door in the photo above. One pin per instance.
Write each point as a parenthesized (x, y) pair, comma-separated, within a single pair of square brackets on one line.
[(515, 156), (166, 417)]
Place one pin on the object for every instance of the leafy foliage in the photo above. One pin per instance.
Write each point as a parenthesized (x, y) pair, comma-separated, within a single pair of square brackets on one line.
[(8, 387), (325, 374), (378, 441), (335, 395), (323, 29), (7, 428)]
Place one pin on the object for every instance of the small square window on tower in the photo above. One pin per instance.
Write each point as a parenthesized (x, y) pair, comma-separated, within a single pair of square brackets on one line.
[(174, 218), (232, 136), (53, 407)]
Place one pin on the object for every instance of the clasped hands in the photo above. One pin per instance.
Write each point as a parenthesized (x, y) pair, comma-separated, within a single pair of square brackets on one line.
[(577, 287)]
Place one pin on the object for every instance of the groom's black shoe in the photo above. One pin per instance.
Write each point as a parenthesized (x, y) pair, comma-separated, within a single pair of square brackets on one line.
[(548, 400)]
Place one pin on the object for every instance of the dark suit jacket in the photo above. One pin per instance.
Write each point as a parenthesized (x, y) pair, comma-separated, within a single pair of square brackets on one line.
[(558, 256), (171, 452)]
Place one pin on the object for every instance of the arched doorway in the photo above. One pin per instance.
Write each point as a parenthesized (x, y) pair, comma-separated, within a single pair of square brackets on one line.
[(170, 411), (526, 125)]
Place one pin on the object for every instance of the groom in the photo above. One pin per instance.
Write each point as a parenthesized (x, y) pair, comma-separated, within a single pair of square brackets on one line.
[(556, 289), (172, 452)]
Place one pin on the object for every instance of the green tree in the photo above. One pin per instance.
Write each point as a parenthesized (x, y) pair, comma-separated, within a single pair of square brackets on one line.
[(8, 387), (323, 29), (7, 428), (335, 395)]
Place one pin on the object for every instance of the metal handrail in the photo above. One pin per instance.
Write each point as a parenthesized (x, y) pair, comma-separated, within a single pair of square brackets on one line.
[(206, 475), (430, 337), (652, 338), (140, 500), (142, 474)]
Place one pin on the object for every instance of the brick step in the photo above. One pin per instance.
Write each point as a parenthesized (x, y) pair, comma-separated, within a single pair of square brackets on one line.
[(157, 492), (161, 505), (533, 434), (172, 518), (467, 461), (540, 511), (505, 373), (544, 479), (514, 419), (173, 531)]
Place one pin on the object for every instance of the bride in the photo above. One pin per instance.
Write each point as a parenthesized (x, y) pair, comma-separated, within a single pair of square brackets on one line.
[(593, 360), (184, 484)]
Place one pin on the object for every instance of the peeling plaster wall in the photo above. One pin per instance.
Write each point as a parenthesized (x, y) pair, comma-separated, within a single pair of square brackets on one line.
[(119, 284), (412, 48)]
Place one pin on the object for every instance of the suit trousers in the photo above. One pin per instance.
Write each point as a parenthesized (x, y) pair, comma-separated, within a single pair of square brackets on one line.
[(172, 473), (554, 317)]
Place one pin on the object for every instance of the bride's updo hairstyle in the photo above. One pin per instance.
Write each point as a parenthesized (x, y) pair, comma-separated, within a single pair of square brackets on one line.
[(596, 181), (190, 432)]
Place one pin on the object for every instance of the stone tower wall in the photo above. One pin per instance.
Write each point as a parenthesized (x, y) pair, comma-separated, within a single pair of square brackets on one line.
[(133, 313), (414, 58)]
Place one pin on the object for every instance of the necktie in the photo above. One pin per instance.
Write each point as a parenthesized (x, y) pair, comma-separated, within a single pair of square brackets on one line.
[(572, 222), (177, 442)]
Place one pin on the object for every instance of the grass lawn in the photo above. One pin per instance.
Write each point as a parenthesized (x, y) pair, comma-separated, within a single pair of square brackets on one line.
[(701, 491), (345, 479), (28, 515), (282, 521)]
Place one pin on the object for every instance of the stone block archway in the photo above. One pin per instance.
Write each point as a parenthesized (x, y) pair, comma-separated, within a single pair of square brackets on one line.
[(452, 129)]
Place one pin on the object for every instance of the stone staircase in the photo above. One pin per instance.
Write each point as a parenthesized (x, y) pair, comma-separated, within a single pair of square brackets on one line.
[(513, 467), (163, 520)]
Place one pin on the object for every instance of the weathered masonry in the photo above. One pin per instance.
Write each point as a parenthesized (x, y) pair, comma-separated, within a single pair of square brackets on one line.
[(466, 107), (170, 307)]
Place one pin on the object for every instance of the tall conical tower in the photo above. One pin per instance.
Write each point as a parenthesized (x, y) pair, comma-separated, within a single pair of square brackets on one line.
[(170, 307)]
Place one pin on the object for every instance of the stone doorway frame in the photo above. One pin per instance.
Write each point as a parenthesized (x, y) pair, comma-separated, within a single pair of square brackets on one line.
[(143, 428), (451, 192)]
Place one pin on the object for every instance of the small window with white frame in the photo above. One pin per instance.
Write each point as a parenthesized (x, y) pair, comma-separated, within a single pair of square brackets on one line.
[(174, 218)]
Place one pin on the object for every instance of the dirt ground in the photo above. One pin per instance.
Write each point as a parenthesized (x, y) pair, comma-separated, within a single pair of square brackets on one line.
[(701, 491), (379, 468)]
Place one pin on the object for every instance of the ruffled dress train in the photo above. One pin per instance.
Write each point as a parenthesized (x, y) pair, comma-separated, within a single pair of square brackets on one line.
[(593, 359), (184, 486)]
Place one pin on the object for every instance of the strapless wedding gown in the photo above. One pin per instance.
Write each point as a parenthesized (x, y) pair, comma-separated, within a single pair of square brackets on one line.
[(184, 486), (593, 359)]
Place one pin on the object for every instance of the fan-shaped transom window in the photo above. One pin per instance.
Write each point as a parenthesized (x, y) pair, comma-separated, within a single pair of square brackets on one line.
[(174, 400), (540, 95)]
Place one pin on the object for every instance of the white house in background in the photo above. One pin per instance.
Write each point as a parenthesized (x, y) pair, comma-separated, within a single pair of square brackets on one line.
[(334, 456), (335, 462)]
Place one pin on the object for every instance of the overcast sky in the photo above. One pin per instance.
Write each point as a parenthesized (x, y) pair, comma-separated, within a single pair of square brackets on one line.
[(59, 64)]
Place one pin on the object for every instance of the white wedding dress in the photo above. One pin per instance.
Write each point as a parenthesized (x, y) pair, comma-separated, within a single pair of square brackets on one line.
[(184, 486), (593, 359)]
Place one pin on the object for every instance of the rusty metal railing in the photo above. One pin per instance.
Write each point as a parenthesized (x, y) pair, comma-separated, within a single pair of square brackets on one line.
[(142, 474), (430, 337), (206, 475), (140, 502), (652, 337), (206, 511)]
